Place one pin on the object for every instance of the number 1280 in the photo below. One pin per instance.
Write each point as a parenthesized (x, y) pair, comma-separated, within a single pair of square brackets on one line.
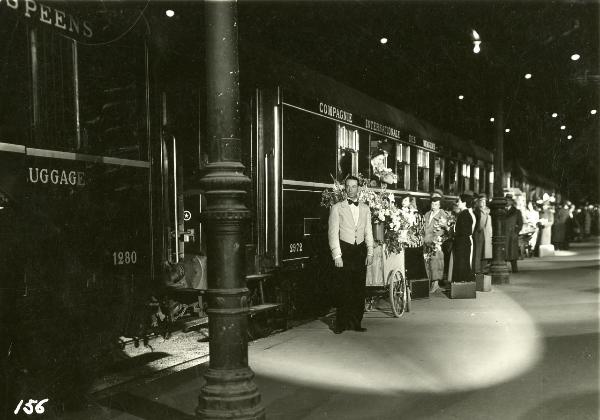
[(124, 257)]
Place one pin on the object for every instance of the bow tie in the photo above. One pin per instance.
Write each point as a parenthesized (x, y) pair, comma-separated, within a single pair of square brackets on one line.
[(353, 202)]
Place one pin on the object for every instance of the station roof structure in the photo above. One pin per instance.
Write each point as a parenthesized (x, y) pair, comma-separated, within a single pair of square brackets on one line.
[(420, 58), (540, 57)]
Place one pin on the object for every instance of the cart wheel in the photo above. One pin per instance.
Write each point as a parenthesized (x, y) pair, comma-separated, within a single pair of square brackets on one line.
[(398, 293)]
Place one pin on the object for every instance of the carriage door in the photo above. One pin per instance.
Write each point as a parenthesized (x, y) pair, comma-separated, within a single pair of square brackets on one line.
[(181, 237)]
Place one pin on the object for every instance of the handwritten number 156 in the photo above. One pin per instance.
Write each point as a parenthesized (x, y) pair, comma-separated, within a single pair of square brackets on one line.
[(29, 407)]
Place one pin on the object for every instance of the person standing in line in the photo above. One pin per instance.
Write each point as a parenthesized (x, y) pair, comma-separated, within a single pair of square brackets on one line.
[(413, 253), (514, 224), (434, 265), (351, 243), (532, 219), (462, 248), (560, 229), (482, 237)]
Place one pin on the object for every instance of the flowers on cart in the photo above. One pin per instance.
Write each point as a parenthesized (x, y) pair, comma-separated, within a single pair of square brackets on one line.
[(398, 224)]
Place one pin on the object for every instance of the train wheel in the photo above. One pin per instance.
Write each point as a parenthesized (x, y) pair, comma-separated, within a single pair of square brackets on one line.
[(398, 293)]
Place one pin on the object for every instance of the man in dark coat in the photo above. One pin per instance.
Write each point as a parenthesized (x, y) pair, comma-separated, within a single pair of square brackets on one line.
[(559, 229), (462, 247), (514, 224)]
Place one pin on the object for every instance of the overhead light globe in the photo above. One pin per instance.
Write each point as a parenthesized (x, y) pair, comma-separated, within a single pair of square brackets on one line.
[(569, 137), (507, 130), (461, 97), (554, 115), (575, 57), (170, 13), (563, 127), (593, 112), (528, 76), (492, 119), (383, 40)]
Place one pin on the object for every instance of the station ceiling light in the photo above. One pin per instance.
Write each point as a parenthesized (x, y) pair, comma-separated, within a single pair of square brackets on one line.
[(528, 76), (507, 130), (569, 137), (575, 57), (461, 97), (562, 127), (492, 119), (476, 41), (383, 40), (554, 115), (170, 13), (593, 112)]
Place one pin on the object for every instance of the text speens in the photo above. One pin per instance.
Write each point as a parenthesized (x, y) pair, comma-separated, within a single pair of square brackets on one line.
[(33, 9)]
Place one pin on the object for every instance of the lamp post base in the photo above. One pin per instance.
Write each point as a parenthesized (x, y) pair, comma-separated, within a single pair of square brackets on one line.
[(230, 394), (499, 273)]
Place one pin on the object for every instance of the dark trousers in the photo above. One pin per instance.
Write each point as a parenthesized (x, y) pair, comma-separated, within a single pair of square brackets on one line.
[(351, 282)]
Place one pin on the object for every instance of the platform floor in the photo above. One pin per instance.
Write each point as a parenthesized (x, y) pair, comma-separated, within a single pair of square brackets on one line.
[(525, 350)]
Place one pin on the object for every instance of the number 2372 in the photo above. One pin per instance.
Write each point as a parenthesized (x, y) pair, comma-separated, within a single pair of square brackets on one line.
[(295, 247)]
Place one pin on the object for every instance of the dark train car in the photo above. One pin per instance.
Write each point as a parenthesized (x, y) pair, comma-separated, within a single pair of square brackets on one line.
[(75, 196)]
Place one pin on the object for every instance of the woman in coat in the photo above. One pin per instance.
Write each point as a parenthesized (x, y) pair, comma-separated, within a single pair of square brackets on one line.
[(482, 238), (462, 247), (514, 224), (559, 229), (413, 254), (434, 264)]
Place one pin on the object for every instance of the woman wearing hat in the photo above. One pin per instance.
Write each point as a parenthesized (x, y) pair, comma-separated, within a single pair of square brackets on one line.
[(413, 255), (482, 238), (514, 224), (434, 263)]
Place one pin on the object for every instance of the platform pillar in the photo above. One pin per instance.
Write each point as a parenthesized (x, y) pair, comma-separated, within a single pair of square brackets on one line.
[(229, 391)]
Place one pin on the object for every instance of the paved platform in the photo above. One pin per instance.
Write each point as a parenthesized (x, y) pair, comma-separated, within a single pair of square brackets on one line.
[(525, 350)]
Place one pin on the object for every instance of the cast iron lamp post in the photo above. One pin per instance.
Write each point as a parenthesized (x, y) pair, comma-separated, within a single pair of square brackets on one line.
[(229, 391), (498, 268)]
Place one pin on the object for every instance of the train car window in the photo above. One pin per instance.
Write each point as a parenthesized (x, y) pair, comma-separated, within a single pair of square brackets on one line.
[(112, 86), (54, 118), (309, 147), (364, 160), (348, 151), (383, 156), (452, 177), (403, 166), (476, 179), (466, 177), (15, 103), (422, 170), (438, 173)]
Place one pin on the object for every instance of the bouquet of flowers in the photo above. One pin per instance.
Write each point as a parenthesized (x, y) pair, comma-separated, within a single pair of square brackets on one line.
[(400, 226), (444, 226), (334, 195)]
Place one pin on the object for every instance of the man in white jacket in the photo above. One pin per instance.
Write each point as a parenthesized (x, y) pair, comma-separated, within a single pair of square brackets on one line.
[(351, 243)]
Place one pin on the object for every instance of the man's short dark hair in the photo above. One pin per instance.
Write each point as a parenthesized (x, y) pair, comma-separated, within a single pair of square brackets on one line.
[(349, 178), (467, 199)]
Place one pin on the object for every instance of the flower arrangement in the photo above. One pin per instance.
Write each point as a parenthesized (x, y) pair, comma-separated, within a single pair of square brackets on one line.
[(400, 226), (334, 195)]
